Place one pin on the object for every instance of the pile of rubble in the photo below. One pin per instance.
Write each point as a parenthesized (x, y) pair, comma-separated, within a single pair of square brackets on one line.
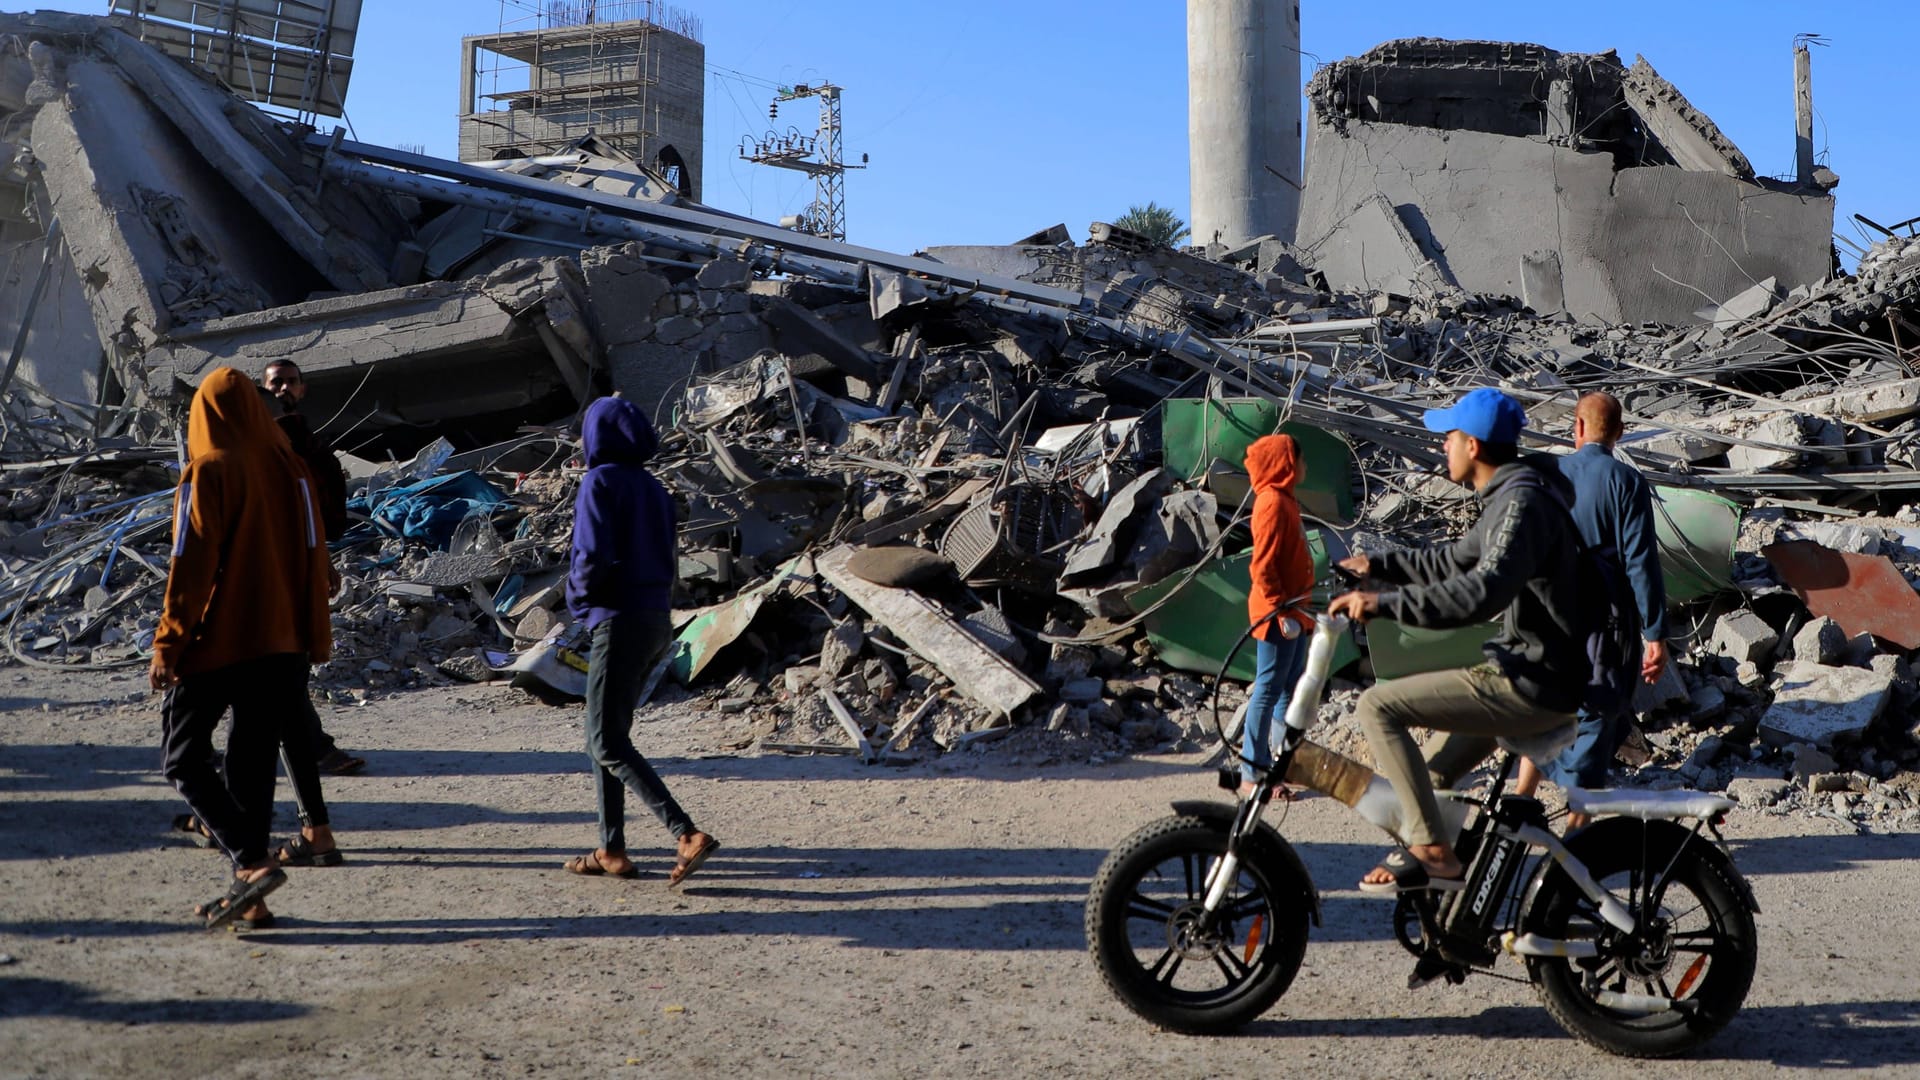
[(975, 495)]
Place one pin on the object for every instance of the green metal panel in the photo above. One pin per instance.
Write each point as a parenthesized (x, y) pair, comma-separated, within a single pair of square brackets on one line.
[(1198, 431), (1196, 628), (1697, 530)]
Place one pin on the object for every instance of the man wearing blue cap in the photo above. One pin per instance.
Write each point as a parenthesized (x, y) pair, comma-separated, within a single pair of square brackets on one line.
[(1519, 561)]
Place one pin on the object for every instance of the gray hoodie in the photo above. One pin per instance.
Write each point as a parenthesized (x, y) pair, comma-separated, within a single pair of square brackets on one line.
[(1520, 561)]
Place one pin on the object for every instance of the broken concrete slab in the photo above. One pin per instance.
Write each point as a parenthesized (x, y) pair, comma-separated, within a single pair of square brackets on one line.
[(974, 669), (1368, 248), (1793, 440), (1694, 140), (1816, 704)]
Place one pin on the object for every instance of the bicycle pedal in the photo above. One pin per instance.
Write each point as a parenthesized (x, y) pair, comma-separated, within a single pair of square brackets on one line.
[(1430, 969)]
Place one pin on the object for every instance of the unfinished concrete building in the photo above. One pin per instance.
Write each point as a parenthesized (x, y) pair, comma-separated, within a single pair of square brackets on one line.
[(1566, 179), (630, 74)]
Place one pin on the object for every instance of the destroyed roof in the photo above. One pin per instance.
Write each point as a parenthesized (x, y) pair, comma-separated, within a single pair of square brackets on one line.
[(1521, 89)]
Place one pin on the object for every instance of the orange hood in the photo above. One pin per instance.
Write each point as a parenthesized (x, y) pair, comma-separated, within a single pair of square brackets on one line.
[(1273, 461), (227, 414)]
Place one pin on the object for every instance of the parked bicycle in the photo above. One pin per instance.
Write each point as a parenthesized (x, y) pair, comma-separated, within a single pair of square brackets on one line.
[(1636, 930)]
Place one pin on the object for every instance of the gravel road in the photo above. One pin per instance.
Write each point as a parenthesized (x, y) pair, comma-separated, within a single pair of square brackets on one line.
[(859, 921)]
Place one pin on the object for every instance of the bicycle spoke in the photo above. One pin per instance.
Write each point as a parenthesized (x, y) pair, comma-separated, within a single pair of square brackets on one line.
[(1165, 978), (1247, 907), (1142, 907), (1195, 876), (1231, 966)]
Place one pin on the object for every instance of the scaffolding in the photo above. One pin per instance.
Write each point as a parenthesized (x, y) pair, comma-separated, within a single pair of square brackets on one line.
[(557, 71)]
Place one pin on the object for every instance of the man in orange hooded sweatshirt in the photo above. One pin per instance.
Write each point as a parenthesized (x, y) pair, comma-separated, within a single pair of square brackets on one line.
[(1282, 579), (245, 614)]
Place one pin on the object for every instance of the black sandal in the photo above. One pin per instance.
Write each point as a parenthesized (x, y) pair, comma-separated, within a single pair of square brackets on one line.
[(298, 851), (239, 896), (187, 823), (1409, 875)]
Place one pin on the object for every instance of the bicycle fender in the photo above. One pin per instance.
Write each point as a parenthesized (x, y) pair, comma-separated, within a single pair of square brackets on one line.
[(1611, 831), (1266, 837)]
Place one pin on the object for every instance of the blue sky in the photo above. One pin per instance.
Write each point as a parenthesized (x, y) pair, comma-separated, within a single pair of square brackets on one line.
[(988, 120)]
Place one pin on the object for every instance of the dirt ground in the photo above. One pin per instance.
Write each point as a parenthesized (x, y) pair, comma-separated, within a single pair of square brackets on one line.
[(859, 921)]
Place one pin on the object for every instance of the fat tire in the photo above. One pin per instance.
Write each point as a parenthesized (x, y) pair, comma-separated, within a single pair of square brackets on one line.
[(1290, 896), (1615, 847)]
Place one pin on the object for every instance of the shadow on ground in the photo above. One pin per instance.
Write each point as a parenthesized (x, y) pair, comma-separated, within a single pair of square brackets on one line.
[(25, 997)]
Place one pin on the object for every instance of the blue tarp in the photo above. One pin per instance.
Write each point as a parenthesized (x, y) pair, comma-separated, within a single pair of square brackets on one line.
[(430, 510)]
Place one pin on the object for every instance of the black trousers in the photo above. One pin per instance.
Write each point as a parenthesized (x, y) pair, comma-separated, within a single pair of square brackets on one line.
[(625, 648), (300, 754), (235, 802)]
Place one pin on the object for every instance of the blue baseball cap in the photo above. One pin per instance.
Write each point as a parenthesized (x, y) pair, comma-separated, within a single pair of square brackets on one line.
[(1486, 414)]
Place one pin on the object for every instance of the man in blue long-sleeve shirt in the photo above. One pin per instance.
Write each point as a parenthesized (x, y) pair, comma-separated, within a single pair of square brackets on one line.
[(1613, 507)]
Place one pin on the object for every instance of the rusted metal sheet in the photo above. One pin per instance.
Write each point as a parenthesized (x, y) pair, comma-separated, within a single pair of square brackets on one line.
[(1865, 594)]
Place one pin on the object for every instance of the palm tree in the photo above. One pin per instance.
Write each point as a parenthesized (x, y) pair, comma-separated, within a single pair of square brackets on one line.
[(1155, 222)]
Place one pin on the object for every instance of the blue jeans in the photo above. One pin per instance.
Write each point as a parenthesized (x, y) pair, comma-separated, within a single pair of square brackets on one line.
[(1277, 667), (1585, 763)]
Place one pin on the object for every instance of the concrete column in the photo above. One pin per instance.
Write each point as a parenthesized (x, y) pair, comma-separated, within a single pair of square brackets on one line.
[(1803, 114), (1243, 118)]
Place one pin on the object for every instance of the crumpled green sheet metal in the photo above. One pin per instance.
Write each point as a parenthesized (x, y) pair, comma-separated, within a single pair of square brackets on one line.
[(713, 629), (1196, 432), (1696, 531), (1195, 629)]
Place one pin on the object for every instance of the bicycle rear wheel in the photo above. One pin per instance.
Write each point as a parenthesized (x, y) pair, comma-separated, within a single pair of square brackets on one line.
[(1681, 976)]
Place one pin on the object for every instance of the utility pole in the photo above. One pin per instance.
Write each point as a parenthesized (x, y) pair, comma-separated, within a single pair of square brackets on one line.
[(818, 155)]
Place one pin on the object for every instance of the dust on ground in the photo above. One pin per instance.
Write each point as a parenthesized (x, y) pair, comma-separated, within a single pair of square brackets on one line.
[(859, 921)]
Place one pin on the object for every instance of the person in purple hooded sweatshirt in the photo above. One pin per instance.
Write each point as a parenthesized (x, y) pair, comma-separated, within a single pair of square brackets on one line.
[(619, 586)]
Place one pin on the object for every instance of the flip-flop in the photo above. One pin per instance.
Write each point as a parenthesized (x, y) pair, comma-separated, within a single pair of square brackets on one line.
[(264, 922), (340, 763), (239, 896), (298, 851), (1409, 875), (588, 865), (187, 823), (683, 869)]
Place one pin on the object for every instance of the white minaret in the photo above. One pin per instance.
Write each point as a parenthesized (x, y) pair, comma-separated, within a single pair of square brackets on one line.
[(1243, 118)]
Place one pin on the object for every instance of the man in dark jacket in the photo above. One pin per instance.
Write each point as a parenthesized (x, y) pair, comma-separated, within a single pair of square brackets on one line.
[(620, 586), (1612, 507), (284, 381), (1518, 560)]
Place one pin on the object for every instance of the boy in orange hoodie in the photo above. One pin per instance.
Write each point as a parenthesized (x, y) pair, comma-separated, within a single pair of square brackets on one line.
[(245, 614), (1282, 580)]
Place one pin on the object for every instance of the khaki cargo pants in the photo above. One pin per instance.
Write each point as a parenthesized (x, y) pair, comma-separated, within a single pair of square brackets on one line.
[(1470, 706)]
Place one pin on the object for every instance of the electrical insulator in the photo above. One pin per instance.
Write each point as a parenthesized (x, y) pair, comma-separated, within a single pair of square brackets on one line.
[(773, 110)]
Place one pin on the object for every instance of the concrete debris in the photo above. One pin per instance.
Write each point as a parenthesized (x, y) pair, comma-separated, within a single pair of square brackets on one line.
[(1820, 641), (1743, 636), (1817, 704), (977, 498)]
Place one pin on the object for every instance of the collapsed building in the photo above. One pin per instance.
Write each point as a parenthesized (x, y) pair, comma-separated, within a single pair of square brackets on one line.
[(1569, 180), (973, 495)]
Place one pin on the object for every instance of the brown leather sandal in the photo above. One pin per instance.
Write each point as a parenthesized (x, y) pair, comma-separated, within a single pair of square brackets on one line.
[(684, 868), (589, 865)]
